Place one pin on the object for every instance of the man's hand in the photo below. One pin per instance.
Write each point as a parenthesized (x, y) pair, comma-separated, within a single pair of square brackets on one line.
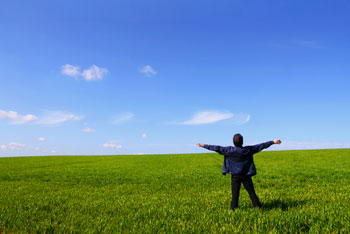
[(277, 141), (200, 145)]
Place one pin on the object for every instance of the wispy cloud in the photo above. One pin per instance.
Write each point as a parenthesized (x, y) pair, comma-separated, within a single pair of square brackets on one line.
[(123, 117), (94, 73), (112, 145), (144, 135), (12, 146), (16, 118), (70, 70), (148, 71), (207, 117), (42, 139), (48, 118), (91, 74), (309, 44), (88, 130), (240, 118), (3, 146), (57, 117), (279, 45)]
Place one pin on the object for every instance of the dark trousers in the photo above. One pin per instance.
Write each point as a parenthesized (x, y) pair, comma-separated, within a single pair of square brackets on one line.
[(248, 185)]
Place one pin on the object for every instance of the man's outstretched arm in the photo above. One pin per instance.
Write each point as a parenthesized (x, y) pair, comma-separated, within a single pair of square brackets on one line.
[(216, 148), (260, 147)]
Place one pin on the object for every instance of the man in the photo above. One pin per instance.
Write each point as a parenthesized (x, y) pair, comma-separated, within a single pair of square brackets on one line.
[(238, 161)]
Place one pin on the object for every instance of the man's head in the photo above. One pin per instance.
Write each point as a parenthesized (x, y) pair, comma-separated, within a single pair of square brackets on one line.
[(238, 140)]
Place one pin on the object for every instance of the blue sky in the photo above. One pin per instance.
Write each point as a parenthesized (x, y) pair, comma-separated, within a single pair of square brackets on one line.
[(141, 77)]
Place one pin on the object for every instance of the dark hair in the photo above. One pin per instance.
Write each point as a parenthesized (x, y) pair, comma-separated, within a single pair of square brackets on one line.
[(238, 140)]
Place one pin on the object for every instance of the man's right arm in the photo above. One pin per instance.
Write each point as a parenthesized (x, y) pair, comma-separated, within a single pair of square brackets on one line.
[(216, 148)]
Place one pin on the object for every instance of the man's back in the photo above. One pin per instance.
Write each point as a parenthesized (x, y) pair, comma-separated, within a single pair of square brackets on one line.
[(239, 160)]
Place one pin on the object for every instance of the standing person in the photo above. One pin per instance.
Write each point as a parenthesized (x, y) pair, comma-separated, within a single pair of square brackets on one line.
[(238, 161)]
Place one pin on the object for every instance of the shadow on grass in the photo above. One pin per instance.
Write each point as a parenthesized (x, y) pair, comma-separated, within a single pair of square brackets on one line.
[(283, 204)]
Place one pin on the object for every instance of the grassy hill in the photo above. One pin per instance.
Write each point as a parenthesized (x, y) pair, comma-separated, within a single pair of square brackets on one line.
[(301, 191)]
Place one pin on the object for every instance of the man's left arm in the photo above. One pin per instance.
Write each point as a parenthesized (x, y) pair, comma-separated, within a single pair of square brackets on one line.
[(260, 147)]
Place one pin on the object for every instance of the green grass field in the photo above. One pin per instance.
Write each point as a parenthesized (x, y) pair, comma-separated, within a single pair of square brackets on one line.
[(301, 191)]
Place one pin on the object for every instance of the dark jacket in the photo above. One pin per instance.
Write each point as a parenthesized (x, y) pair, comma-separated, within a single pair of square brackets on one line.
[(239, 160)]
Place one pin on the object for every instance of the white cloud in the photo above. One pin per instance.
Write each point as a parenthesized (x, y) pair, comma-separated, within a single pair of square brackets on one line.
[(309, 44), (16, 118), (94, 73), (25, 118), (41, 139), (8, 114), (207, 117), (53, 151), (240, 118), (56, 117), (148, 71), (12, 146), (123, 117), (49, 118), (70, 70), (112, 145), (88, 130), (144, 135)]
